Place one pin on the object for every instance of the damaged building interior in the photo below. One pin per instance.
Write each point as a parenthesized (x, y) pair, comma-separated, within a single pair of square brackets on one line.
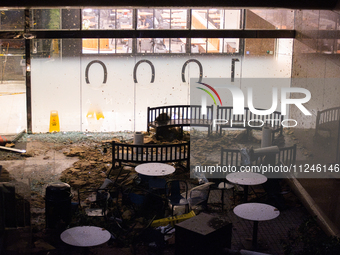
[(169, 128)]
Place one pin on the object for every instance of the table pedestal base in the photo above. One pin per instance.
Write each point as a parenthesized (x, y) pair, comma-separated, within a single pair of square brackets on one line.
[(255, 228)]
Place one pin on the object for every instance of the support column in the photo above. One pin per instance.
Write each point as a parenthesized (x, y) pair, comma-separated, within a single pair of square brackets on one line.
[(28, 73)]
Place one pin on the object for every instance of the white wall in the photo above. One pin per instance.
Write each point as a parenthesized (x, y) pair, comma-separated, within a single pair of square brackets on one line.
[(60, 85)]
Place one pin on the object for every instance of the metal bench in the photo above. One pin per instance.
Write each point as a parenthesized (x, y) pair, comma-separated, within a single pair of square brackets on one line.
[(327, 120), (137, 154), (248, 120), (179, 116)]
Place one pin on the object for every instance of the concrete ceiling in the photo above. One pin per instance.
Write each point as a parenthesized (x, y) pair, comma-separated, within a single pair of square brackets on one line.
[(290, 4)]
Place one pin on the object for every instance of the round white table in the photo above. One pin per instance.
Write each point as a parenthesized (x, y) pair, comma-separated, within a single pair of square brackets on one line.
[(246, 179), (85, 236), (155, 169), (256, 212)]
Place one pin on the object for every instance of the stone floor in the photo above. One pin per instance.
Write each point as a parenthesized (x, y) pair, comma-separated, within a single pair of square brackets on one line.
[(270, 233)]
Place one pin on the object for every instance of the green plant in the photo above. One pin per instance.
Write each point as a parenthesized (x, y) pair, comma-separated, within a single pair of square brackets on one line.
[(54, 22)]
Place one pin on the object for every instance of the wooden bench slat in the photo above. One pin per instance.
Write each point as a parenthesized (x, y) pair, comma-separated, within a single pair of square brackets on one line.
[(150, 153), (328, 120), (180, 116)]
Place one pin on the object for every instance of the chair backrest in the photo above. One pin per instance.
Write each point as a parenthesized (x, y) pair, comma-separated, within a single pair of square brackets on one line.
[(146, 45), (201, 191), (175, 188), (136, 199), (199, 195), (124, 20)]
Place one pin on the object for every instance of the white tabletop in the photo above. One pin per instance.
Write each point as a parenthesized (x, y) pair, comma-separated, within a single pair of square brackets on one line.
[(85, 236), (155, 169), (246, 178), (256, 211)]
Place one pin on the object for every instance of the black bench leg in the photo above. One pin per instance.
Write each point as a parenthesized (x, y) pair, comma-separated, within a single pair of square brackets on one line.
[(157, 133)]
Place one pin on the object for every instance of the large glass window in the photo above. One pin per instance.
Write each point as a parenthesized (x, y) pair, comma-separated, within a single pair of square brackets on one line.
[(105, 19), (160, 45), (106, 45), (125, 45), (46, 48), (162, 19), (215, 45), (90, 19), (215, 19), (269, 18), (12, 20), (55, 19), (178, 45), (150, 18), (124, 19), (146, 19), (45, 19)]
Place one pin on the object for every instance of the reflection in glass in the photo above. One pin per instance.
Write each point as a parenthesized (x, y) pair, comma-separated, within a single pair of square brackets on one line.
[(178, 19), (45, 48), (214, 18), (199, 19), (107, 19), (271, 19), (70, 19), (232, 19), (162, 18), (231, 45), (259, 47), (145, 45), (12, 20), (178, 45), (124, 45), (90, 18), (169, 18), (214, 45), (146, 19), (45, 19), (198, 45), (107, 45), (124, 19), (161, 45), (8, 46), (12, 60), (90, 46)]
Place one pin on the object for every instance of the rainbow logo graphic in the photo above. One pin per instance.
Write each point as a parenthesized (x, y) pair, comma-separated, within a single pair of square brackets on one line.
[(209, 93)]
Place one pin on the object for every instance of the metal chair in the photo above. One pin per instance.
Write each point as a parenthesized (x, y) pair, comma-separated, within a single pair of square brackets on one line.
[(146, 45), (222, 185), (177, 194), (156, 185), (146, 237), (124, 21), (160, 48), (199, 195)]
